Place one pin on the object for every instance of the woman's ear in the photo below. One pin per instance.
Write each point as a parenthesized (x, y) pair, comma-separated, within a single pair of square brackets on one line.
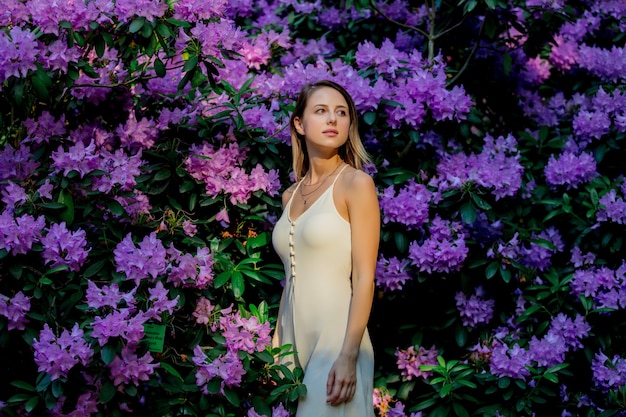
[(297, 122)]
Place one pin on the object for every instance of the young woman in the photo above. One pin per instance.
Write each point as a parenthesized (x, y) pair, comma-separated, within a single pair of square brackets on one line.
[(327, 239)]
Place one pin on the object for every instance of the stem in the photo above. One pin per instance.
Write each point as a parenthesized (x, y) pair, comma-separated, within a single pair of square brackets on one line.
[(471, 55), (395, 22)]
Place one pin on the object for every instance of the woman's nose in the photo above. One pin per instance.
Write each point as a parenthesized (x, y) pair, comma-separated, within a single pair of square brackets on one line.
[(332, 117)]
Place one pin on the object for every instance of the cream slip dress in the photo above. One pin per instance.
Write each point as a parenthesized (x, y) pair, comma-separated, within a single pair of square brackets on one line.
[(315, 249)]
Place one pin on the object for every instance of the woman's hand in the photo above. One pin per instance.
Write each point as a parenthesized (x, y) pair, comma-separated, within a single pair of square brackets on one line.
[(341, 383)]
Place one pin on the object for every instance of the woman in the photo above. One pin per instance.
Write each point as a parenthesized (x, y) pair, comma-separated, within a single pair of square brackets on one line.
[(327, 238)]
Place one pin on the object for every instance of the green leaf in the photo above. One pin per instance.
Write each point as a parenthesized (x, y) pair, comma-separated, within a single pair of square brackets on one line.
[(238, 284), (108, 353), (491, 269), (31, 404), (369, 118), (232, 397), (23, 385), (136, 25), (171, 370), (94, 268), (159, 68), (468, 213), (67, 215), (107, 392)]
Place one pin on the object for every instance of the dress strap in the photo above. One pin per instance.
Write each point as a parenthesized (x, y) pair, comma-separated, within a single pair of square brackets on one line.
[(339, 174)]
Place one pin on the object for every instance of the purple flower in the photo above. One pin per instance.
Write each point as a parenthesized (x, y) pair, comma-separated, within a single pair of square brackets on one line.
[(137, 135), (227, 367), (591, 124), (118, 169), (77, 158), (15, 309), (409, 206), (509, 362), (189, 228), (197, 10), (126, 10), (137, 263), (570, 170), (130, 368), (203, 311), (18, 51), (17, 234), (612, 208), (119, 324), (17, 165), (443, 251), (391, 274), (64, 247), (44, 128), (108, 296), (245, 334), (57, 356), (497, 167), (160, 302), (608, 373), (13, 194), (135, 206), (539, 253), (189, 270), (409, 361), (548, 351), (474, 310)]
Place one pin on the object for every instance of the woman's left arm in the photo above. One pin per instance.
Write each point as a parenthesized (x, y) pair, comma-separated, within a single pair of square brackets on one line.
[(364, 213)]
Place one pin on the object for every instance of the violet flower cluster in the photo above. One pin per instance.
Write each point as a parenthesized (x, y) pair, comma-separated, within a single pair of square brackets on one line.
[(392, 274), (14, 309), (56, 356), (443, 251), (408, 207), (612, 206), (474, 310), (221, 171), (604, 286), (409, 361), (497, 167), (570, 169), (64, 247), (608, 373)]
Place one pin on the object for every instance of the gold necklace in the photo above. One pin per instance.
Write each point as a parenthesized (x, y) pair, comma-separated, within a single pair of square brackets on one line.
[(321, 182)]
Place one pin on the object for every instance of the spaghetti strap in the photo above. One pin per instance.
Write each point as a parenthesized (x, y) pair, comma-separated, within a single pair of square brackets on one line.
[(338, 175)]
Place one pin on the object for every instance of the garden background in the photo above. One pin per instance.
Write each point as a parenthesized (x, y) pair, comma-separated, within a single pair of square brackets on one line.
[(144, 145)]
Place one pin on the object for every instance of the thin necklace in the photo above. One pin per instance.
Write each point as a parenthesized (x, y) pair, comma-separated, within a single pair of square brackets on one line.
[(321, 182)]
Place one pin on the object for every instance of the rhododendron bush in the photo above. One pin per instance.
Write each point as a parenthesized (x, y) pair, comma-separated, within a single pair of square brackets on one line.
[(144, 145)]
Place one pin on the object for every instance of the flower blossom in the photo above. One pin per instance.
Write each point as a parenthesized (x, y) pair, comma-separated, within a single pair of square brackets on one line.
[(15, 309), (64, 247), (409, 206), (474, 310), (130, 368), (227, 367), (570, 170), (409, 361), (58, 355), (391, 274), (443, 251)]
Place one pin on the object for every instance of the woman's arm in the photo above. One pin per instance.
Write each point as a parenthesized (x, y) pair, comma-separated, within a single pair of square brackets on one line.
[(364, 215)]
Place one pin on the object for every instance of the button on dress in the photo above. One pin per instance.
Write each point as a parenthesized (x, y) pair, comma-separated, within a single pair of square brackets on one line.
[(315, 250)]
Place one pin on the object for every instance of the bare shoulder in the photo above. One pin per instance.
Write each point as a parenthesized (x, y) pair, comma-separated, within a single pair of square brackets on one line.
[(287, 193), (357, 182)]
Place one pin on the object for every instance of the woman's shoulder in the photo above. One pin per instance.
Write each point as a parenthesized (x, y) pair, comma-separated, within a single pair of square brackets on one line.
[(356, 180), (288, 193)]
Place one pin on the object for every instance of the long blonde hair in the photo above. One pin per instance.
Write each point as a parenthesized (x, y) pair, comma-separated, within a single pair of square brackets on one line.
[(352, 152)]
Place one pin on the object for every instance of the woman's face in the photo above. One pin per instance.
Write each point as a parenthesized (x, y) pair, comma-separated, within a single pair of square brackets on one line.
[(325, 121)]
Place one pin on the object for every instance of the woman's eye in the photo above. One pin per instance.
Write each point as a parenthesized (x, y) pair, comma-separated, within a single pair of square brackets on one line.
[(320, 111), (342, 113)]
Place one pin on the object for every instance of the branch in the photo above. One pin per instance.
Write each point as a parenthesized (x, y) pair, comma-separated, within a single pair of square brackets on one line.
[(404, 25), (471, 55)]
